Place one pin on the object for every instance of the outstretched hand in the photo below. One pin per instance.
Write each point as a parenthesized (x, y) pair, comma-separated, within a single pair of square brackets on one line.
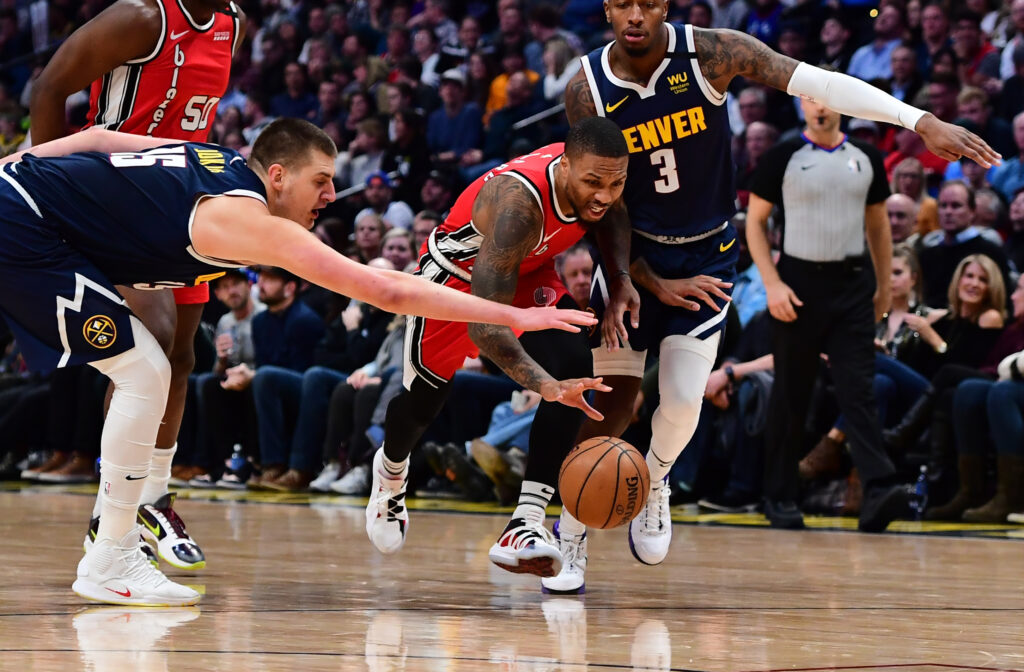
[(950, 142), (572, 392), (624, 299), (704, 288), (539, 319)]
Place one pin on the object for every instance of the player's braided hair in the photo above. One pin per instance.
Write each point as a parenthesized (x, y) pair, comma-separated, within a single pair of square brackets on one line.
[(288, 142), (597, 136)]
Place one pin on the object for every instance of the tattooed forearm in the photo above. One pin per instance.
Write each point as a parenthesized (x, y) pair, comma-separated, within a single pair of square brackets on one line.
[(724, 54), (508, 215), (579, 101)]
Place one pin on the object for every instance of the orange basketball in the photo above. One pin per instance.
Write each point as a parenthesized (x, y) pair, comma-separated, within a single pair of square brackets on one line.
[(604, 482)]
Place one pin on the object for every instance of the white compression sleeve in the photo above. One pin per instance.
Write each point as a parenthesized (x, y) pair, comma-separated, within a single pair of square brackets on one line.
[(850, 96)]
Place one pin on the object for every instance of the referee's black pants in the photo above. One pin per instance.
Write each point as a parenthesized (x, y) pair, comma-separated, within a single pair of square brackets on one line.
[(837, 319)]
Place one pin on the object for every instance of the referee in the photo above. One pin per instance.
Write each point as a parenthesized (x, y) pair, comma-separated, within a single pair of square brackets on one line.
[(822, 297)]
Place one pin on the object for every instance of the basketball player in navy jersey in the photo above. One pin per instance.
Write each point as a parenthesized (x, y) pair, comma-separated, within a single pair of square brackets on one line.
[(158, 68), (665, 86), (111, 208)]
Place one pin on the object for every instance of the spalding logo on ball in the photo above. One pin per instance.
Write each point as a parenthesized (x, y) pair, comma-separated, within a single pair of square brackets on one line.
[(604, 482)]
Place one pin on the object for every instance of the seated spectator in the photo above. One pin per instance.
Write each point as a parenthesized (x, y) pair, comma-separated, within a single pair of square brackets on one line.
[(748, 292), (360, 106), (751, 105), (435, 17), (425, 47), (908, 178), (1015, 239), (512, 61), (481, 70), (943, 88), (364, 155), (396, 247), (368, 235), (408, 155), (990, 214), (501, 452), (438, 193), (379, 193), (906, 79), (500, 135), (545, 24), (874, 60), (423, 224), (934, 34), (973, 103), (760, 137), (1009, 177), (836, 46), (909, 145), (958, 238), (1011, 100), (561, 63), (576, 268), (991, 407), (296, 100), (979, 59), (457, 126), (329, 108), (902, 212), (454, 54)]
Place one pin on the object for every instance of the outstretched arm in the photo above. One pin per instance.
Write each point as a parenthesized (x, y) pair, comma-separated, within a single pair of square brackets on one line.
[(92, 140), (507, 214), (241, 229), (725, 54)]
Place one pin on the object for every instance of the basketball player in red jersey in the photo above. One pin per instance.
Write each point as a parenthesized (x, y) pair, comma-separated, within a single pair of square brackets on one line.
[(157, 68), (500, 242)]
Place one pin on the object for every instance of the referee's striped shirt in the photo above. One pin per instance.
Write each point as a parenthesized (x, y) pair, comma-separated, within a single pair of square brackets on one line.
[(822, 194)]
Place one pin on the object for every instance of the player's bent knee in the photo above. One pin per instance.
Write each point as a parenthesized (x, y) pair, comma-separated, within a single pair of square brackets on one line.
[(144, 371), (621, 362)]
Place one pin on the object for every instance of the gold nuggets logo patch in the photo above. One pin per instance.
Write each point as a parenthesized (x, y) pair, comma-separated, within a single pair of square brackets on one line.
[(679, 83), (100, 332)]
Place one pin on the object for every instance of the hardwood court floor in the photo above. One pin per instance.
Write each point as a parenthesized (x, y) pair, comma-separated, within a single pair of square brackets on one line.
[(299, 588)]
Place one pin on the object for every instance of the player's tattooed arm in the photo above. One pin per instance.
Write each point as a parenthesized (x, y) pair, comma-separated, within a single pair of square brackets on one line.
[(724, 54), (613, 236), (579, 101), (511, 221)]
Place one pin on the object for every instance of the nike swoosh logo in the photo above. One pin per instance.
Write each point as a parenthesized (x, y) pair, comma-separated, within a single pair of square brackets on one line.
[(550, 236), (178, 36), (722, 247), (127, 592), (611, 108), (136, 478), (807, 167), (154, 530)]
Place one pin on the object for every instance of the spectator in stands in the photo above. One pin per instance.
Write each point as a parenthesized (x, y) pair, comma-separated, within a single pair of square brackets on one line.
[(226, 417), (481, 71), (1015, 238), (256, 116), (399, 45), (500, 135), (943, 89), (437, 193), (752, 104), (989, 215), (934, 34), (396, 247), (973, 104), (748, 291), (992, 407), (836, 49), (760, 137), (512, 31), (874, 60), (979, 60), (960, 238), (1011, 100), (328, 104), (379, 199), (561, 62), (271, 64), (369, 232), (1007, 61), (865, 130), (470, 39), (360, 106), (763, 21), (576, 268), (424, 46), (512, 62), (906, 79), (1009, 177), (425, 222), (902, 212), (408, 154), (457, 126), (728, 14), (316, 30), (908, 178), (792, 37), (544, 23), (364, 155)]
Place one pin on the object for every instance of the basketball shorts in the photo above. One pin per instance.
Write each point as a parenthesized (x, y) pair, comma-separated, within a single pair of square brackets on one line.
[(715, 256), (61, 309), (436, 349), (184, 296)]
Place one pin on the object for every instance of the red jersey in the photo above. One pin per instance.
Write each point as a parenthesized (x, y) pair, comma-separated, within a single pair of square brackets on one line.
[(457, 241), (173, 91)]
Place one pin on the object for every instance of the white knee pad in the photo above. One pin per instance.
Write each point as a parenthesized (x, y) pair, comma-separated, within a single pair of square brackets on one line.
[(683, 372), (621, 362)]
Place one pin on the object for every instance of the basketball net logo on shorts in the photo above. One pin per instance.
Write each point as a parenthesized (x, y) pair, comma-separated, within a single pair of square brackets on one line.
[(544, 296), (100, 332)]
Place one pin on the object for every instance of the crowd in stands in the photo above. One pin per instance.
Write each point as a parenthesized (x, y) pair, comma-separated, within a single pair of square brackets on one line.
[(423, 96)]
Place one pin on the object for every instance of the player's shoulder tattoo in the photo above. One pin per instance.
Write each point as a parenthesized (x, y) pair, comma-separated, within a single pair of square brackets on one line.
[(724, 54), (515, 218), (579, 99)]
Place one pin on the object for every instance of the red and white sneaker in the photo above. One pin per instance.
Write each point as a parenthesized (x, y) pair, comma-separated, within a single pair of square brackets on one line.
[(119, 573), (527, 548), (387, 518)]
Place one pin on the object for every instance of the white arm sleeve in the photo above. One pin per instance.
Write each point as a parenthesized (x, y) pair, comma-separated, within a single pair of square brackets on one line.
[(851, 96)]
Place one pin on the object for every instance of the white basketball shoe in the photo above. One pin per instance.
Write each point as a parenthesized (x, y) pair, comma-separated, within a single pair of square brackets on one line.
[(527, 547), (650, 533), (569, 580), (387, 518)]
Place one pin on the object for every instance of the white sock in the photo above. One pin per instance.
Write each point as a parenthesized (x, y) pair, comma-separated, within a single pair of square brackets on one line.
[(120, 490), (569, 525), (159, 474), (533, 500)]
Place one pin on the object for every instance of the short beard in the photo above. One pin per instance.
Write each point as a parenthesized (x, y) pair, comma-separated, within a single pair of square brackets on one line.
[(635, 52)]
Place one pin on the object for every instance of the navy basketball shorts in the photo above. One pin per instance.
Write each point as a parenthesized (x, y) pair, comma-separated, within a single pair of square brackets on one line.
[(59, 306), (715, 256)]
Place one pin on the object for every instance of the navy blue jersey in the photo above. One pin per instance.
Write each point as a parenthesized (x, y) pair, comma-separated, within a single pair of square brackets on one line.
[(680, 179), (130, 213)]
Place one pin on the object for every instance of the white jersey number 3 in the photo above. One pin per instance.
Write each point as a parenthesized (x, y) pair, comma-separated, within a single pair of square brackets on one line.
[(665, 159)]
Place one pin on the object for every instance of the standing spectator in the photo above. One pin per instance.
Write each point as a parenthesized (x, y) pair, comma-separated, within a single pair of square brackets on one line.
[(1009, 177), (379, 193), (874, 60), (824, 298), (457, 126), (960, 239)]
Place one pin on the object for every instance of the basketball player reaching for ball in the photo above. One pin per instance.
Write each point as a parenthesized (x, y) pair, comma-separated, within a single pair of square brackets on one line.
[(157, 68), (665, 86), (499, 242), (130, 210)]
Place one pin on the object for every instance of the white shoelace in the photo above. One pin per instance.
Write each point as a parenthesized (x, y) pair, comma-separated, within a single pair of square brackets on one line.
[(138, 568), (656, 509)]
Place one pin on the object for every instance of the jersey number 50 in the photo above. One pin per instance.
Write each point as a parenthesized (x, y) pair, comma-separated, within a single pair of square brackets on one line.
[(197, 112), (665, 160)]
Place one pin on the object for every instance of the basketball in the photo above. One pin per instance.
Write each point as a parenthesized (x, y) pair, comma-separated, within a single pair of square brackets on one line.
[(604, 482)]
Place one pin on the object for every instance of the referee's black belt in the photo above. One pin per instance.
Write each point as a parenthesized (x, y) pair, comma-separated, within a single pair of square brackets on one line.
[(847, 266)]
